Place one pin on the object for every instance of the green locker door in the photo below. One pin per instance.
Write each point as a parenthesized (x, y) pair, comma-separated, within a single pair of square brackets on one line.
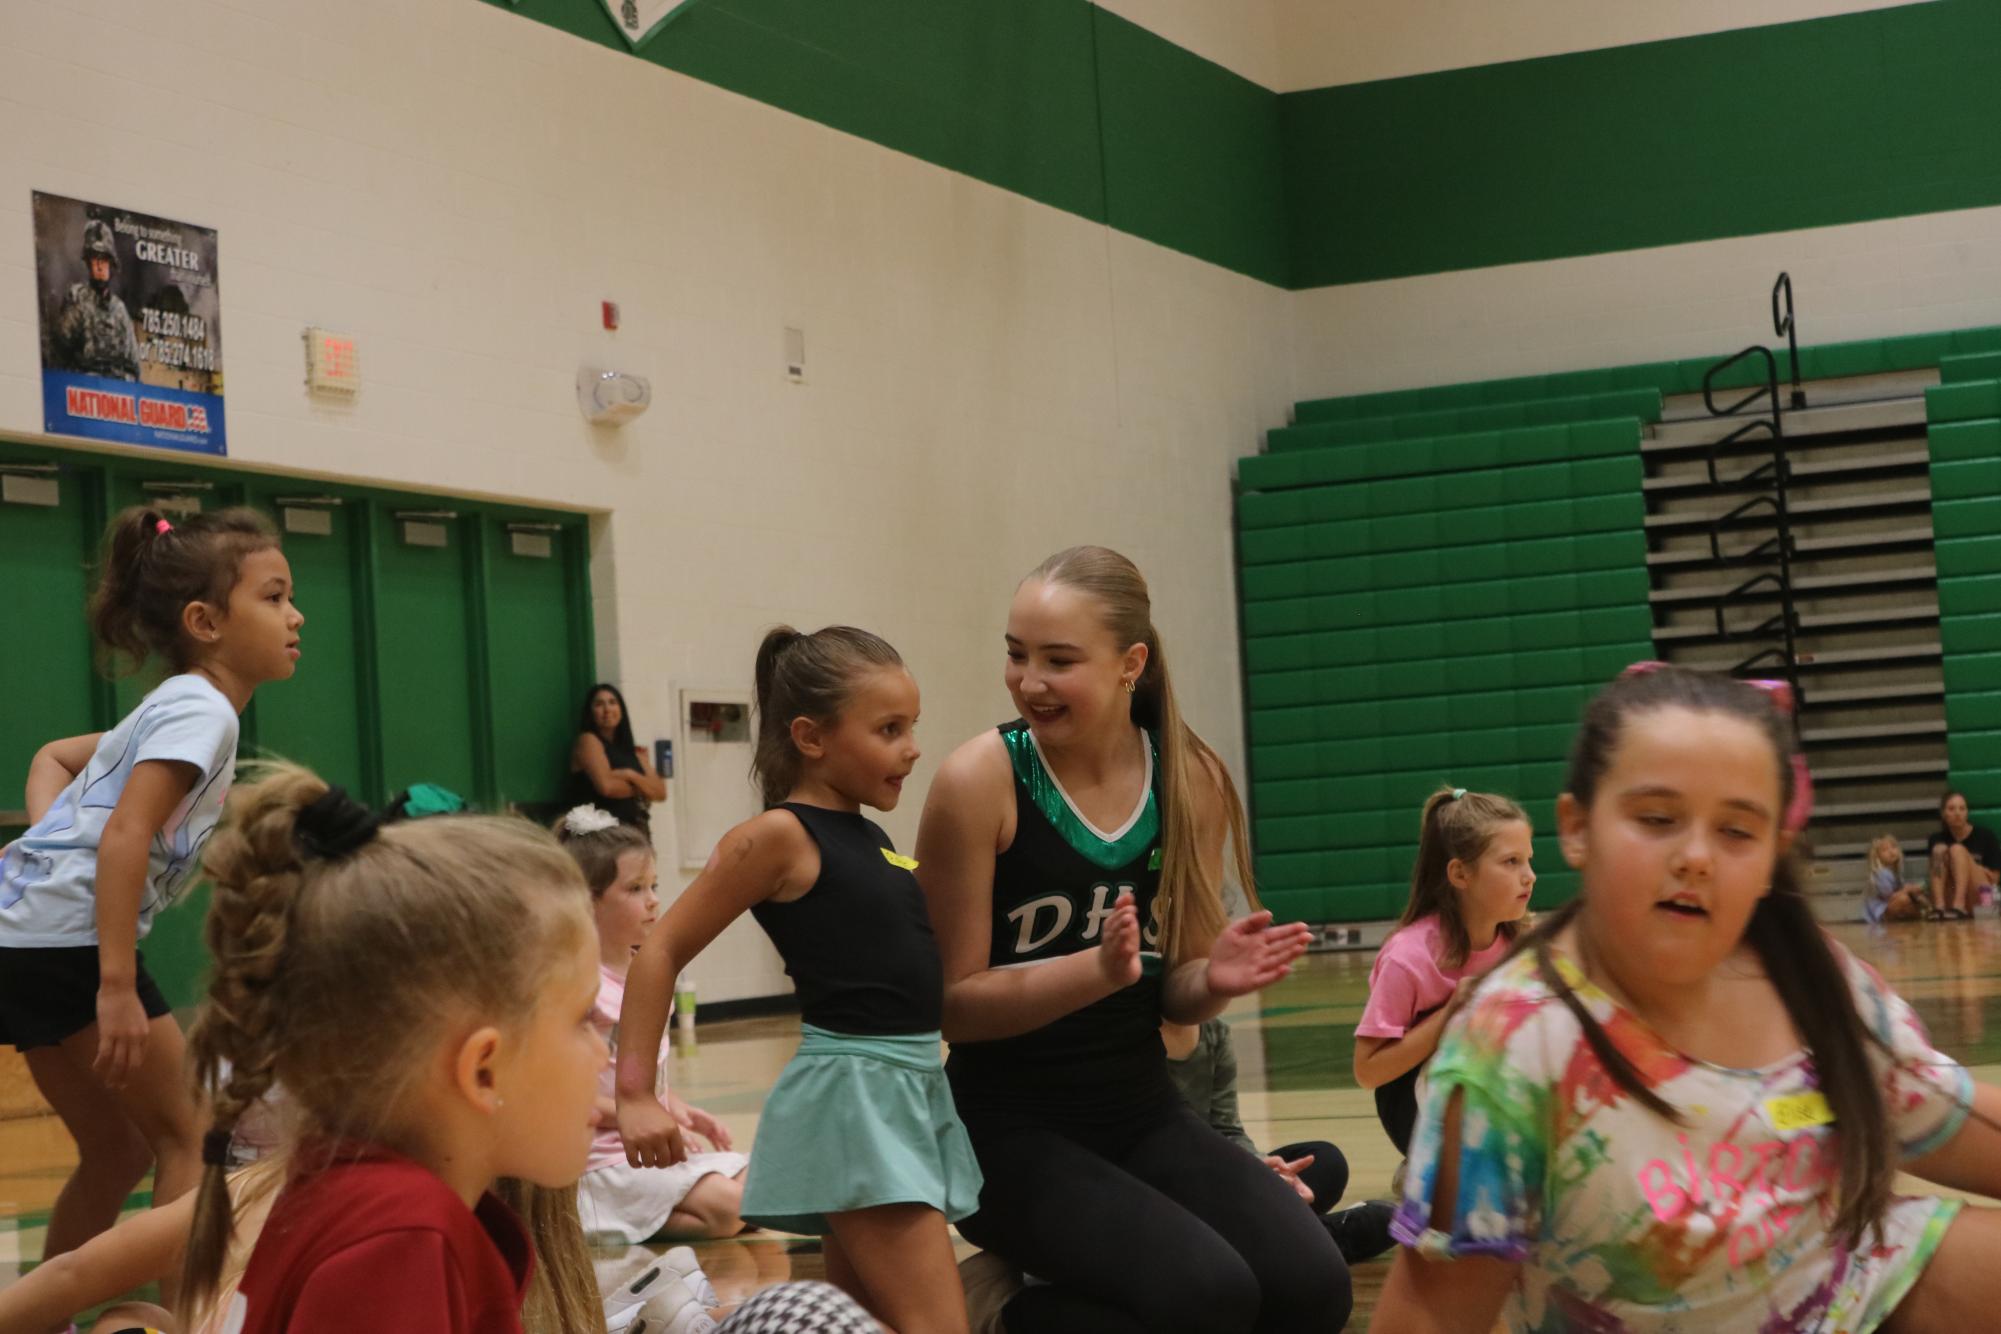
[(45, 671), (317, 718), (535, 667), (424, 649)]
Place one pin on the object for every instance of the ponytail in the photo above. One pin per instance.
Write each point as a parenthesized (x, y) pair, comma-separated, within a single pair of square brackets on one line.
[(1191, 908), (1190, 902), (1456, 825), (152, 567), (805, 676)]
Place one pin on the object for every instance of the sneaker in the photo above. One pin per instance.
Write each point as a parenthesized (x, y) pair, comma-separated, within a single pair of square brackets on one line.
[(675, 1310), (678, 1266), (1361, 1232), (990, 1283)]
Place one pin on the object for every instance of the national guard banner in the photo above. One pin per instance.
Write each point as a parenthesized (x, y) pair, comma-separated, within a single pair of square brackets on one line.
[(131, 326), (638, 20)]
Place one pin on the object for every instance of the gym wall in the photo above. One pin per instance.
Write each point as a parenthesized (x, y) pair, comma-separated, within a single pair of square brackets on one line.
[(989, 377), (1631, 204)]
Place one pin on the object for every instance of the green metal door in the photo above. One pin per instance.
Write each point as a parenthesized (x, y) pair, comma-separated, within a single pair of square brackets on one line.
[(533, 639), (318, 718), (45, 669), (424, 649)]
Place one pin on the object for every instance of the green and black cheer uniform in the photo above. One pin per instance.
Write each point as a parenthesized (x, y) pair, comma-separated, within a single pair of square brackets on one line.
[(1084, 1143)]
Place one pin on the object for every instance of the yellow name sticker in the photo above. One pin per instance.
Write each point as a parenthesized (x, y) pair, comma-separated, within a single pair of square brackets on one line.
[(899, 861), (1799, 1111)]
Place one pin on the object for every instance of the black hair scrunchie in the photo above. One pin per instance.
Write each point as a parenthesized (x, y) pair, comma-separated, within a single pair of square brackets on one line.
[(335, 825)]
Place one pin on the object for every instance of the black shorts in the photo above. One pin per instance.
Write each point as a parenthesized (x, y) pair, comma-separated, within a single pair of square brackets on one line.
[(48, 994)]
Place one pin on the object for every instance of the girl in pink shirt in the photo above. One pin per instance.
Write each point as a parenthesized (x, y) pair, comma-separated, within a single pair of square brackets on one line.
[(1469, 890)]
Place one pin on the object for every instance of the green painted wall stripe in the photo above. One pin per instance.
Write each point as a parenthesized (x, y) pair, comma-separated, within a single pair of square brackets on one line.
[(1811, 124), (1192, 153), (1051, 99)]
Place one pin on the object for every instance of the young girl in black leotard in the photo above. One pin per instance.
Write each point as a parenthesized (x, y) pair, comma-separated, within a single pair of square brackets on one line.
[(858, 1141), (1073, 861)]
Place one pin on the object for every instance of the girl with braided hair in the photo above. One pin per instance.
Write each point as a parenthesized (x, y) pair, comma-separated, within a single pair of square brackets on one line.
[(423, 990), (117, 824)]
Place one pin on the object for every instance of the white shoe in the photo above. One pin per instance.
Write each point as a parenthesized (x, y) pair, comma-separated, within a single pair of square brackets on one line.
[(990, 1283), (678, 1266), (677, 1310)]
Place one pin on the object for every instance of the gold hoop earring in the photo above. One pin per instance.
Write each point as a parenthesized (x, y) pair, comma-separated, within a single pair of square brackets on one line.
[(1132, 686)]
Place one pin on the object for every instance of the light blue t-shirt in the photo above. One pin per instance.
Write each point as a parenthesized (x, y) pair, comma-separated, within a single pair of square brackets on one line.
[(48, 876)]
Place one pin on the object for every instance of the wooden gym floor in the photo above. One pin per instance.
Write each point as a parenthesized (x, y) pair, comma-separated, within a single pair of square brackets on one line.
[(1293, 1048)]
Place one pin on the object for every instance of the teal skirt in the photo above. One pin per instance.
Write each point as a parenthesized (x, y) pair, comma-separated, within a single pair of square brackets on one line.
[(855, 1122)]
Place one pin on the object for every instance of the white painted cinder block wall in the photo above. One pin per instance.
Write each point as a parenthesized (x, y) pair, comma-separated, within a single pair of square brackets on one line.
[(1864, 280), (988, 379)]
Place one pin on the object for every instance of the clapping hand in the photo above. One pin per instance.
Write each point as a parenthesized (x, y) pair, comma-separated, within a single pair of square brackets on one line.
[(1118, 947), (1251, 954)]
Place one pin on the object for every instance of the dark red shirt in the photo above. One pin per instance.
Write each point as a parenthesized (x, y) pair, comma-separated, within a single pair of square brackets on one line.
[(378, 1243)]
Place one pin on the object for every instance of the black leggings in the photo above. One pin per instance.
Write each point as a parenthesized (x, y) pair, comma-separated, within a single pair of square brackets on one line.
[(1165, 1228), (1396, 1107)]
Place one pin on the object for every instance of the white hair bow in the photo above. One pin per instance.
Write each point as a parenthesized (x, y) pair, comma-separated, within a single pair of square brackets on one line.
[(588, 820)]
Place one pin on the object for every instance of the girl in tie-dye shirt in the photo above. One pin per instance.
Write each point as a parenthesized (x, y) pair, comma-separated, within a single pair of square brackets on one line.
[(1678, 1106)]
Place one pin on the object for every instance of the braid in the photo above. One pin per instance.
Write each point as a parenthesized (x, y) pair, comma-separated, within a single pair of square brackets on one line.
[(257, 869)]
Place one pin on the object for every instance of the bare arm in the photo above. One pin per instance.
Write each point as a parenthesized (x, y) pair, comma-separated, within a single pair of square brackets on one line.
[(588, 755), (1462, 1296), (151, 794), (956, 845), (645, 782), (145, 1247), (1971, 1159), (54, 768), (1379, 1060), (768, 857)]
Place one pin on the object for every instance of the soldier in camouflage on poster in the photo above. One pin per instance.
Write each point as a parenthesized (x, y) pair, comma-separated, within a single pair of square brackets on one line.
[(93, 330)]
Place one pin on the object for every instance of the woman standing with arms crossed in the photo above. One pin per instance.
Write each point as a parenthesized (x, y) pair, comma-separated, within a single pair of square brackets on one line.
[(1073, 862)]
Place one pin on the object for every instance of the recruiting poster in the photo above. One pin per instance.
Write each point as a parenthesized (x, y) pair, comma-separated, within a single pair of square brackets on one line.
[(131, 327)]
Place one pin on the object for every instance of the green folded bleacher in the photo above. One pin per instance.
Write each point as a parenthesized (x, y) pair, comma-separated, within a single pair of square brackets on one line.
[(1434, 580), (1429, 599), (1965, 439), (1970, 366), (1640, 404), (1442, 454)]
